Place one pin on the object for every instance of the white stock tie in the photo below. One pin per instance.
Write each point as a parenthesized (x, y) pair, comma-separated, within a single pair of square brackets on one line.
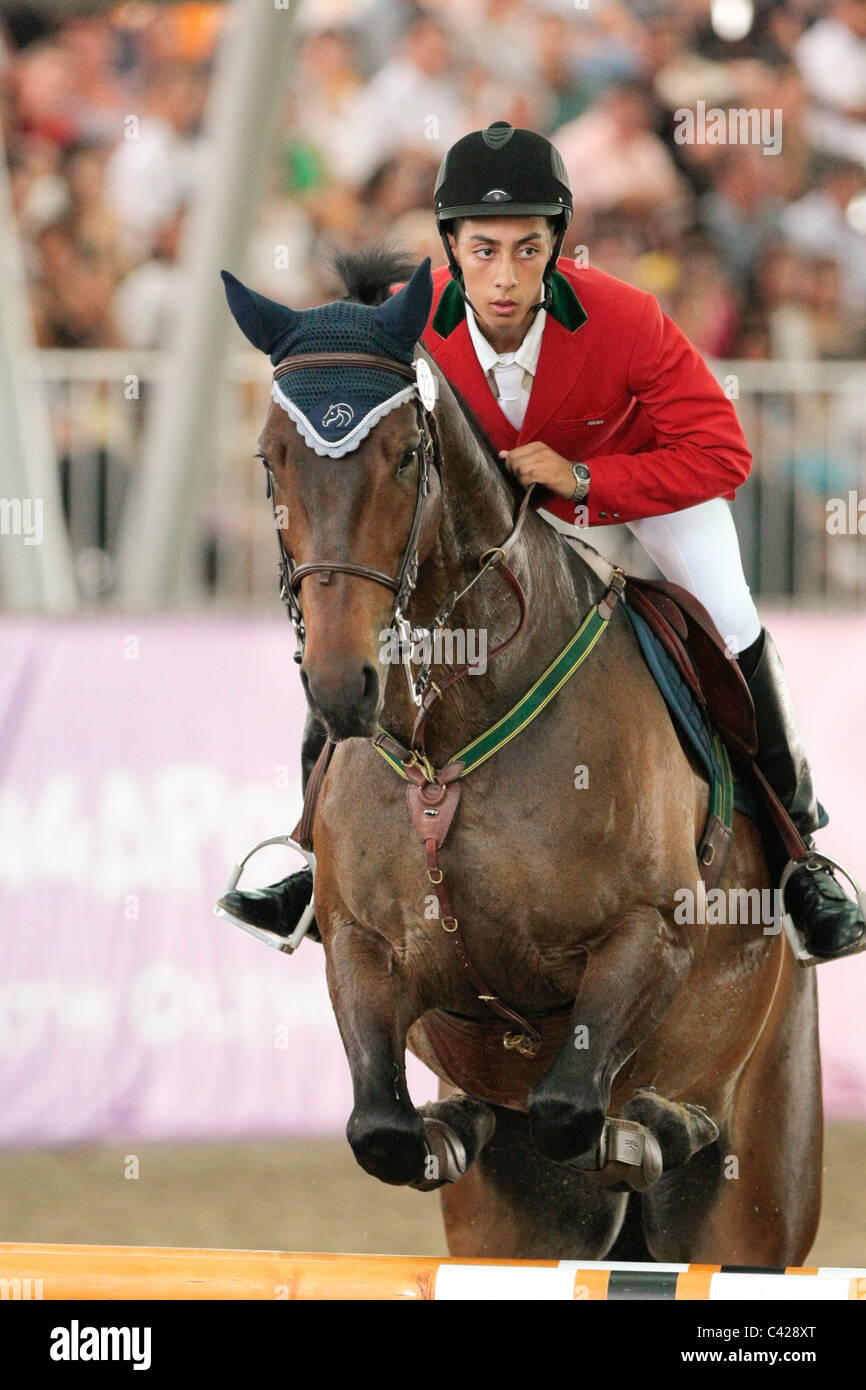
[(509, 381)]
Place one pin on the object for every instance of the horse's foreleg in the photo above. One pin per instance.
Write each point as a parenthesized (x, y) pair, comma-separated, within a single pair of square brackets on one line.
[(630, 979), (390, 1138), (373, 1012)]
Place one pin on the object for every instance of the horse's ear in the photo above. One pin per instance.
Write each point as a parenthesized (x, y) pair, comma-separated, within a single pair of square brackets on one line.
[(404, 315), (261, 320)]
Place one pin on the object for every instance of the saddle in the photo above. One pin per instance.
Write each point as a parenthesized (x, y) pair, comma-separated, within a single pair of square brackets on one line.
[(689, 637)]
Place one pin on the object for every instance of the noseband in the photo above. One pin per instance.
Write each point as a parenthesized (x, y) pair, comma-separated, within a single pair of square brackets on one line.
[(403, 583)]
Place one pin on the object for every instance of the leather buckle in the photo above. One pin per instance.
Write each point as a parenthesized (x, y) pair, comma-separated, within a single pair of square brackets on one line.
[(491, 550)]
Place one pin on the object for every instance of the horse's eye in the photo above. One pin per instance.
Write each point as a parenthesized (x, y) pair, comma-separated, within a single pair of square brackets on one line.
[(409, 456)]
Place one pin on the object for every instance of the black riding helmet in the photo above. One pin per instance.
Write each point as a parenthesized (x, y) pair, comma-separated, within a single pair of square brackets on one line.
[(498, 172)]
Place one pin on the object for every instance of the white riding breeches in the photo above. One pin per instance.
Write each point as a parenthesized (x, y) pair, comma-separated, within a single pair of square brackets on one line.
[(697, 548)]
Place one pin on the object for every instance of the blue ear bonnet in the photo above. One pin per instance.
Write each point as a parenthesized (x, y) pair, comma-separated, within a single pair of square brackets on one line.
[(335, 407)]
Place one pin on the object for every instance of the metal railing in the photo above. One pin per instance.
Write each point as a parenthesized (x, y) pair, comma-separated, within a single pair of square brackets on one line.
[(797, 514)]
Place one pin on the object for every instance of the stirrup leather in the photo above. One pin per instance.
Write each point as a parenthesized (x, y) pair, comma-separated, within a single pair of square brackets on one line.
[(813, 862), (286, 944)]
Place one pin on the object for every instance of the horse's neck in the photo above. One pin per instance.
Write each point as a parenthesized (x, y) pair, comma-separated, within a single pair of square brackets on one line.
[(478, 511)]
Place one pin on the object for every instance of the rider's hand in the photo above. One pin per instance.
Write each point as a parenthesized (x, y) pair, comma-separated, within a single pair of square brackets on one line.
[(538, 463)]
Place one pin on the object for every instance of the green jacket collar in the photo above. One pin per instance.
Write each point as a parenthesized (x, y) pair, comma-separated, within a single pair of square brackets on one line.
[(564, 306)]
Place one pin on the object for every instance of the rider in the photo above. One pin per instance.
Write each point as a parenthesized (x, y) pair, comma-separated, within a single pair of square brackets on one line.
[(659, 443)]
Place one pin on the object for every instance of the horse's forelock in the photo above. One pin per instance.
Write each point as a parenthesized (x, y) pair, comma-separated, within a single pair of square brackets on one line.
[(369, 272)]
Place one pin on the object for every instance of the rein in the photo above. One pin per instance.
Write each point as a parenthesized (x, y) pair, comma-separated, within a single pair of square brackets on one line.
[(433, 796)]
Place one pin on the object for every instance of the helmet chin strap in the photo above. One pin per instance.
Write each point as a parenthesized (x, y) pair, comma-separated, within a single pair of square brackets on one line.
[(544, 303)]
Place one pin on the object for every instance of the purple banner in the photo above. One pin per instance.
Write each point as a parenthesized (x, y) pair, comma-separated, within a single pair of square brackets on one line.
[(138, 760)]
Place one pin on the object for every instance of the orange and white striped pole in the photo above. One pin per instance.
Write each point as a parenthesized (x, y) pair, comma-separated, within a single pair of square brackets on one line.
[(97, 1272)]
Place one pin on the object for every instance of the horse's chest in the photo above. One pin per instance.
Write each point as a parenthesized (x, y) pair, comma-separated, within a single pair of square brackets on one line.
[(506, 856)]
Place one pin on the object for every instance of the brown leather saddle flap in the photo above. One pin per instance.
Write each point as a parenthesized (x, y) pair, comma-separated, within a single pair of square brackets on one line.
[(694, 644)]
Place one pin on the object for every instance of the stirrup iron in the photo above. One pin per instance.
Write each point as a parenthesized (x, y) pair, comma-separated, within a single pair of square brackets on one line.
[(286, 944), (814, 861)]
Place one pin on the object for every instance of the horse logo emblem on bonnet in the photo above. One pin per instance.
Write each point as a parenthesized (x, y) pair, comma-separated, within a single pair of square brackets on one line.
[(338, 414)]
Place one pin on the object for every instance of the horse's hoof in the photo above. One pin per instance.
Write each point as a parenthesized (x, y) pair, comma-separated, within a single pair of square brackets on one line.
[(473, 1120), (681, 1128)]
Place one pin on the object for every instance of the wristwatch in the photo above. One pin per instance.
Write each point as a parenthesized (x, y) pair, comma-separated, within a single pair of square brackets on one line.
[(581, 482)]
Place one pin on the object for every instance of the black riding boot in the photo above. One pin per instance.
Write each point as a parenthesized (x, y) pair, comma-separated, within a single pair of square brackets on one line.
[(829, 922), (278, 908)]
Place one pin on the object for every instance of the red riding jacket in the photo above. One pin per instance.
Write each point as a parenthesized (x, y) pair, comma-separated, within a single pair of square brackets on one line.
[(618, 386)]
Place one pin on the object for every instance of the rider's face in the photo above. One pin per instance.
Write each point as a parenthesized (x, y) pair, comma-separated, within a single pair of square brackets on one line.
[(503, 260)]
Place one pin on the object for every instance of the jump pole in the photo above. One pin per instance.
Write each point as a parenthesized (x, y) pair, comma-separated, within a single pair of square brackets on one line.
[(116, 1272)]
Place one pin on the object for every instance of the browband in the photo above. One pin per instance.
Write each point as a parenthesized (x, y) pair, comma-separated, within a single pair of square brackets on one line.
[(345, 359)]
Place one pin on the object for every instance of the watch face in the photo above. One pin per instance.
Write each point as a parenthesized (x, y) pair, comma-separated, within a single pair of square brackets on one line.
[(581, 481)]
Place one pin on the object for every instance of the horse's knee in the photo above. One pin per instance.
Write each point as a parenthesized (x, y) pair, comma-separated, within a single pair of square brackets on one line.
[(392, 1147), (565, 1126)]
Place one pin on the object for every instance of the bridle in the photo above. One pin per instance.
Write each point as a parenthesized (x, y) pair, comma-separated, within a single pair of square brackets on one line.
[(403, 583), (421, 688)]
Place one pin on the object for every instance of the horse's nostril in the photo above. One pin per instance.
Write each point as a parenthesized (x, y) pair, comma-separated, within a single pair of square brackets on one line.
[(371, 684)]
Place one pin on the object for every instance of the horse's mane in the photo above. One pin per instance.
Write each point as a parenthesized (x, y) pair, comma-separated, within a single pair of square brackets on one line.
[(368, 272)]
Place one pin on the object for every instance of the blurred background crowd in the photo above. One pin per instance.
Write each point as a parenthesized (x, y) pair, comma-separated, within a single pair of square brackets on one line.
[(756, 247), (755, 255)]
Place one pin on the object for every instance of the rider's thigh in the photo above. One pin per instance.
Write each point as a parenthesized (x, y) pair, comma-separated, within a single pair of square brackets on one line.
[(698, 548)]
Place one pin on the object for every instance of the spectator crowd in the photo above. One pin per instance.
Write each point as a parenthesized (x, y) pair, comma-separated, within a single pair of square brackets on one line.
[(755, 250)]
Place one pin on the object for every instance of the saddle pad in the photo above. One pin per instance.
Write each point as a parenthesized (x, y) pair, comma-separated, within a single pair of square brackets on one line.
[(689, 636), (684, 709)]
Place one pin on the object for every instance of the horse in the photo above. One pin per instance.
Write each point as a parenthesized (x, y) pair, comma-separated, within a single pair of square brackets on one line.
[(564, 864)]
